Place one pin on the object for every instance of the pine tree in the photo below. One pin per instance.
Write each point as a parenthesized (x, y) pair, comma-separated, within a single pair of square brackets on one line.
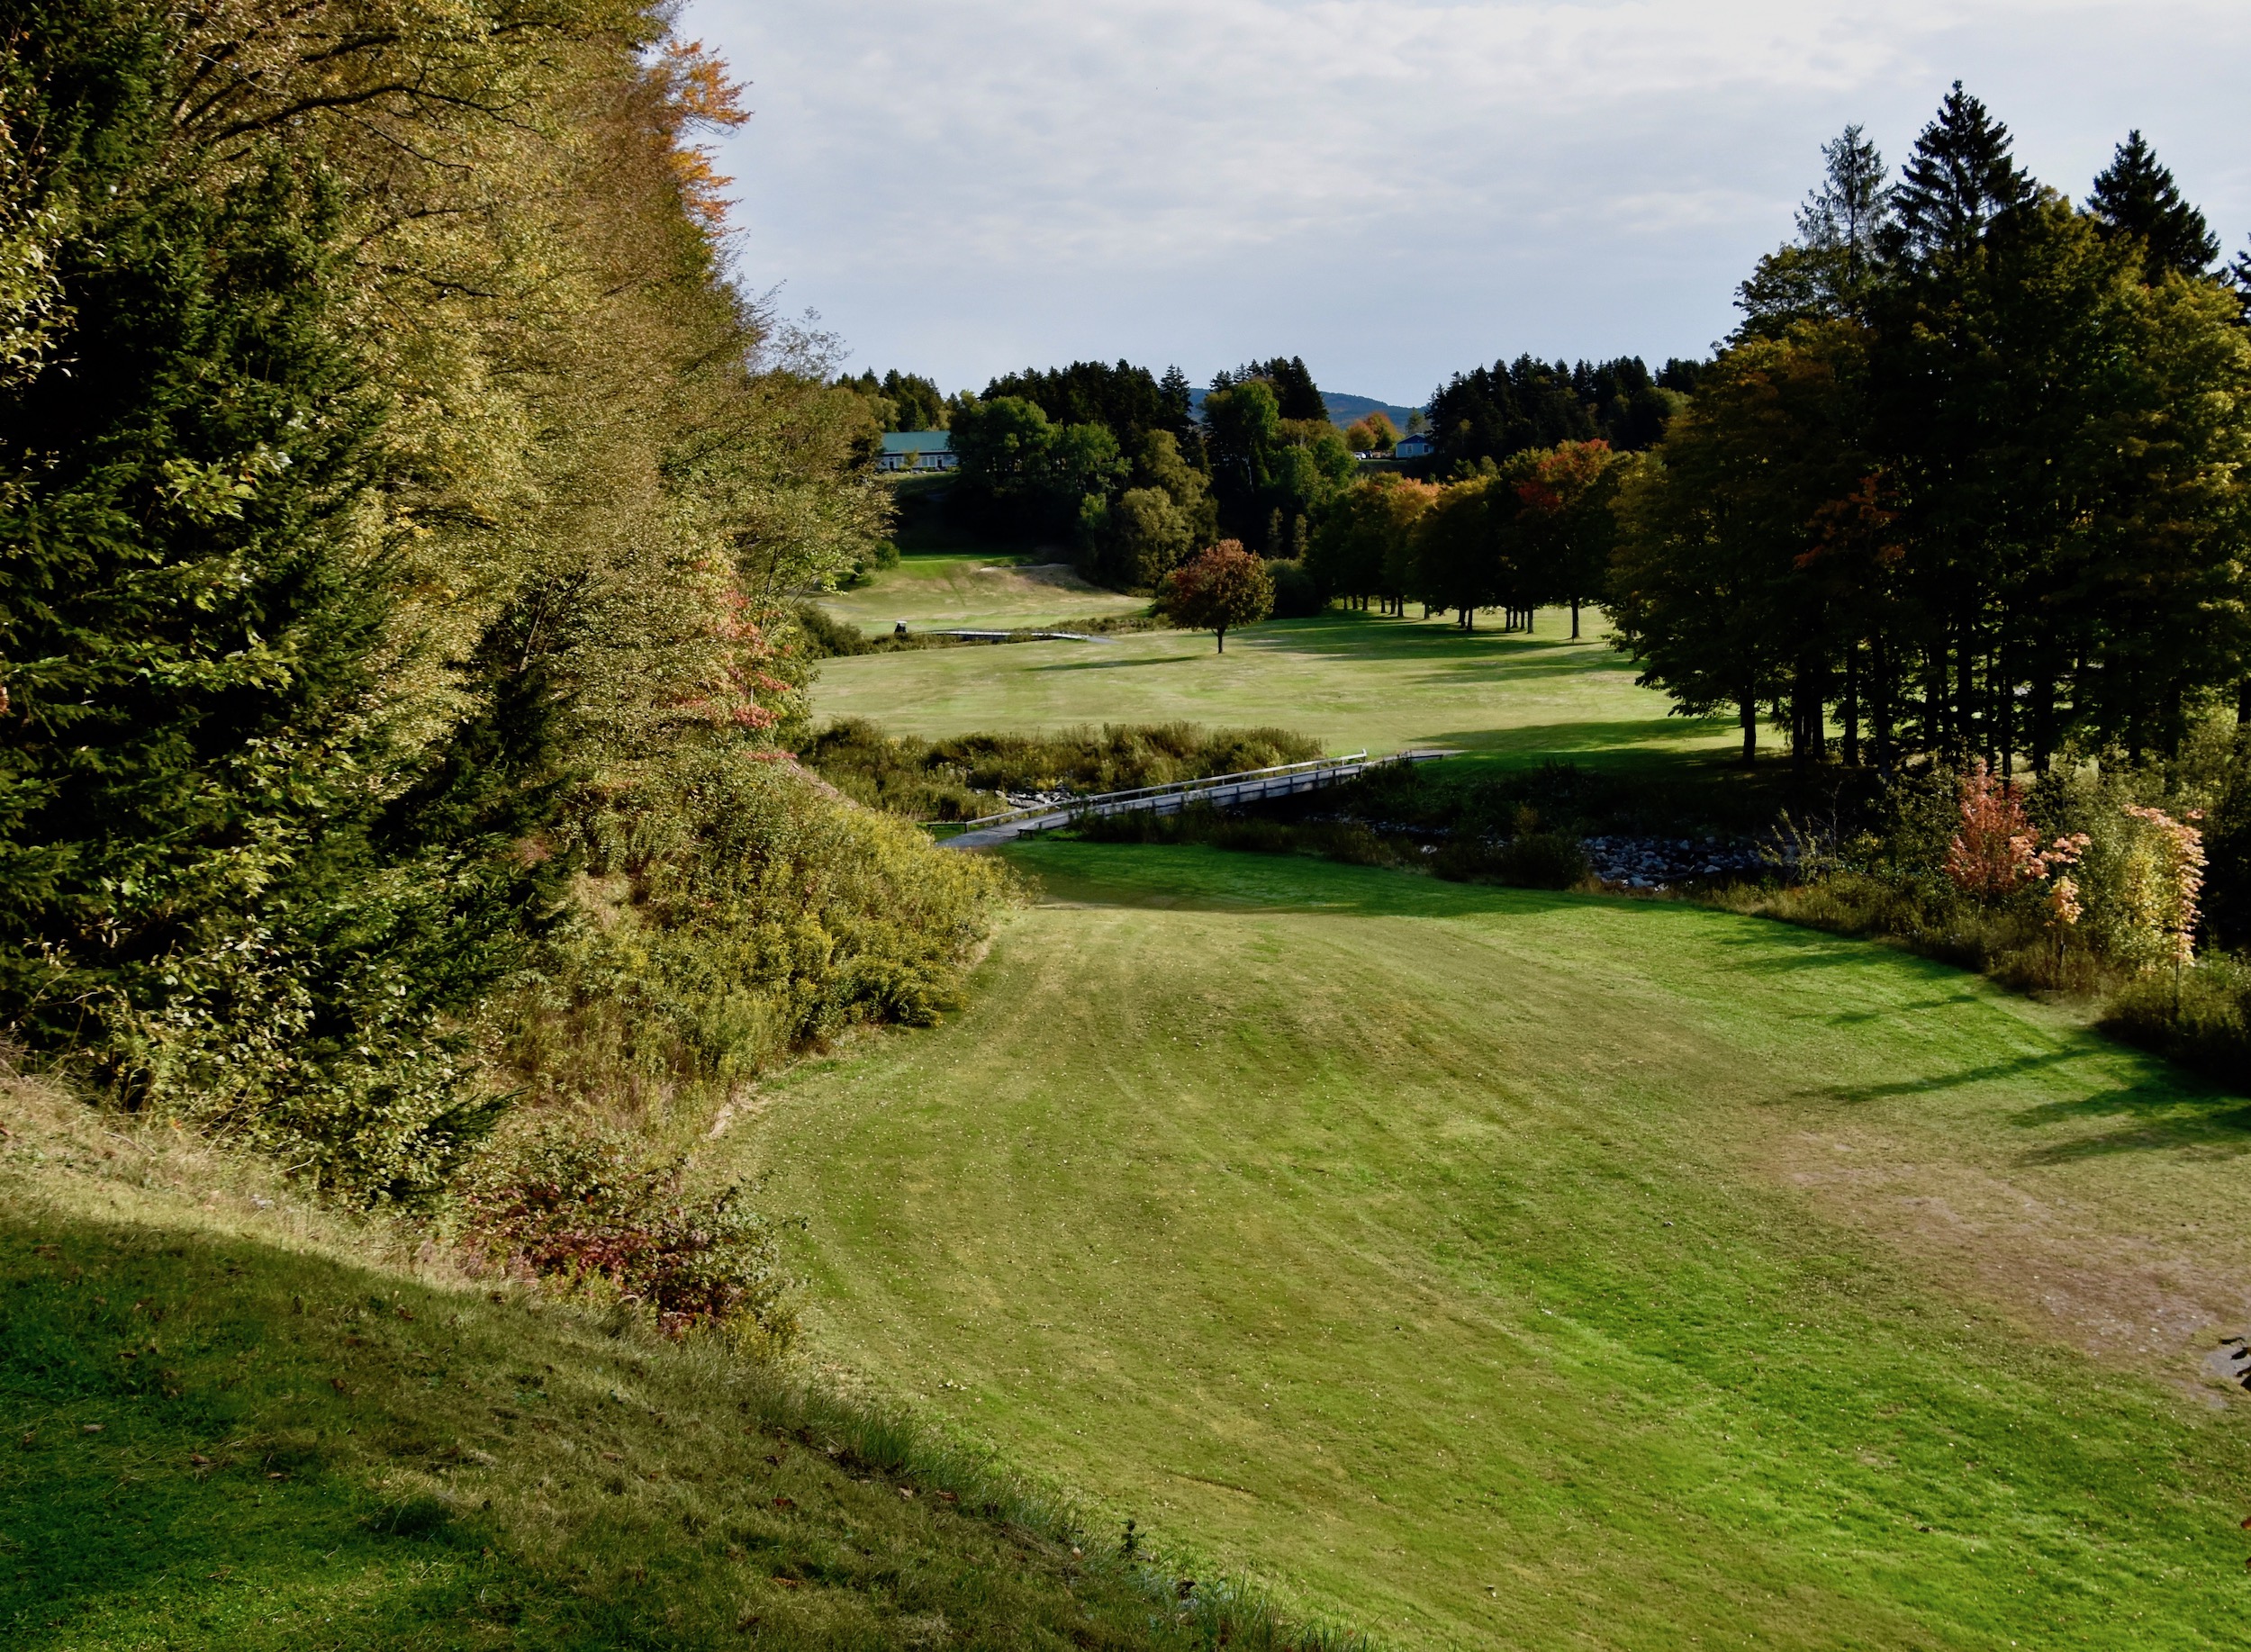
[(1845, 213), (2137, 197), (1960, 180)]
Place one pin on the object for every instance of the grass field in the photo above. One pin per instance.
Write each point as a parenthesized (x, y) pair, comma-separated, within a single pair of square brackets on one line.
[(1349, 679), (977, 591), (235, 1420), (1498, 1269)]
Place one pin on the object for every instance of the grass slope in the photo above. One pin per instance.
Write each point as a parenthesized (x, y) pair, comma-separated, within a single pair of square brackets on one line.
[(230, 1423), (1349, 679), (978, 592), (1510, 1269)]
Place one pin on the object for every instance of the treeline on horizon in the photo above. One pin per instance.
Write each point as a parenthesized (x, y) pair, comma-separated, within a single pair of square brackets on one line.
[(1125, 467), (1968, 478)]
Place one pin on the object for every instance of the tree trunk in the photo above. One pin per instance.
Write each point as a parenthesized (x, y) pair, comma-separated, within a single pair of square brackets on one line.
[(1934, 701), (1575, 631), (1851, 706), (1748, 708), (1880, 706), (1222, 634), (1965, 729)]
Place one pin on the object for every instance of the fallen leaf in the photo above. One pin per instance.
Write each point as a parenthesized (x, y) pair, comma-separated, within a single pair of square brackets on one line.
[(785, 1502), (906, 1491), (93, 1428), (788, 1583), (199, 1460)]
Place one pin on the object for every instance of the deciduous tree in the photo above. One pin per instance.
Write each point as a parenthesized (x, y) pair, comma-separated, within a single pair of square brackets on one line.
[(1219, 589)]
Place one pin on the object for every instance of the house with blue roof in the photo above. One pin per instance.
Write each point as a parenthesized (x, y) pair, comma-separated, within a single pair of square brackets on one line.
[(917, 450)]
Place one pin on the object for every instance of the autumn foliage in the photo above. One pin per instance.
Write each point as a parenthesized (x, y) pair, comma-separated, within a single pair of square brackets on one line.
[(1219, 589)]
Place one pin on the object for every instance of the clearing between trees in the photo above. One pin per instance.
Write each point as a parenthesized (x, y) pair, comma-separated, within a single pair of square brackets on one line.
[(1348, 680), (1486, 1266), (997, 592)]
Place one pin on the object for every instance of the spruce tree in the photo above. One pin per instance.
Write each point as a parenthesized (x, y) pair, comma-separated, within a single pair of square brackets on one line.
[(1846, 212), (229, 882), (1960, 180), (2135, 196)]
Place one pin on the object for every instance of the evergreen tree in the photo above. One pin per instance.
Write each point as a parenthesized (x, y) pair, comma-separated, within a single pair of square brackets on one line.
[(1960, 180), (2137, 197), (1845, 213), (204, 888), (1176, 413), (1828, 271), (1289, 379)]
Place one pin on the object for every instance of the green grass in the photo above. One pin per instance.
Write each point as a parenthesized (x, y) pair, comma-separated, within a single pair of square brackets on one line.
[(1349, 679), (1497, 1268), (231, 1422), (975, 592)]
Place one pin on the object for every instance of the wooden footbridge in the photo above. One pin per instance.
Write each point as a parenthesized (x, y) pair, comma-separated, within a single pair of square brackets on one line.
[(1219, 791)]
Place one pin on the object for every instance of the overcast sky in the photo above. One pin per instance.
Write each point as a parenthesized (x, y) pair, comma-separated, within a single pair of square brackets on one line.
[(1393, 189)]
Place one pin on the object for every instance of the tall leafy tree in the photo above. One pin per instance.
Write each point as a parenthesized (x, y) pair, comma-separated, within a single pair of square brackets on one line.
[(2135, 196)]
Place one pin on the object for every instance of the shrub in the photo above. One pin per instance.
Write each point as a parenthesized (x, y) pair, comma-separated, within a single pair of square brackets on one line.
[(2200, 1018), (1544, 861), (733, 910), (580, 1207), (964, 777), (828, 638)]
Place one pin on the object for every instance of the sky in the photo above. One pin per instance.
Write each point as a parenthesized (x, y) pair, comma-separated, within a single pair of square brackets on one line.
[(1393, 189)]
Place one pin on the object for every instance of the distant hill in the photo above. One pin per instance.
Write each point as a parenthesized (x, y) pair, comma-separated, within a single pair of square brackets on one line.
[(1342, 409)]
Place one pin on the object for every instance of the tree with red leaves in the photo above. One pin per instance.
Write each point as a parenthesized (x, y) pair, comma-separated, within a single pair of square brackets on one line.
[(1219, 589)]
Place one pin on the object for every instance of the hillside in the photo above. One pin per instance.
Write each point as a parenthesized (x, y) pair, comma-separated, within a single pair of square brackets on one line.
[(236, 1420), (995, 589), (1500, 1268)]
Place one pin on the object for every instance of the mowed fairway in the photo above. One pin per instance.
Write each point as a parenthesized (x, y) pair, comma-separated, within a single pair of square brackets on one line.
[(1349, 679), (1496, 1269), (1002, 592)]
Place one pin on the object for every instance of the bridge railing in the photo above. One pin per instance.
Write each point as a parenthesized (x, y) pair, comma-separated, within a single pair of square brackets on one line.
[(1141, 797)]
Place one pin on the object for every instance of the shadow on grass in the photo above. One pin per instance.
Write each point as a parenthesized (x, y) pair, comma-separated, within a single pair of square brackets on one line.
[(1991, 1072), (1180, 877), (1565, 741), (1374, 636), (1106, 664), (2171, 1111)]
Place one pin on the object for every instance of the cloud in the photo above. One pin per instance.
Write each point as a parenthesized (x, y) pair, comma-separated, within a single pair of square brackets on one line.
[(1391, 188)]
